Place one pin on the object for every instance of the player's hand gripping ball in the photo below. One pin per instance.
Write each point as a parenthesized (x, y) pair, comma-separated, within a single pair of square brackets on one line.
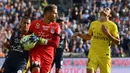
[(29, 41)]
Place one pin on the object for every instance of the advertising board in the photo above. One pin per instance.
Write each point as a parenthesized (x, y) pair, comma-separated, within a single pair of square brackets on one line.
[(78, 65)]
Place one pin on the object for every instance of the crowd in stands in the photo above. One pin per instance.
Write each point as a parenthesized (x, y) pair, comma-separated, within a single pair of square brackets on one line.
[(77, 19)]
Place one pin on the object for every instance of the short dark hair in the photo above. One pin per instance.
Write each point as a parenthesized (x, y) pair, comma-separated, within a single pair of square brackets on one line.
[(49, 7), (59, 20), (25, 17), (22, 21)]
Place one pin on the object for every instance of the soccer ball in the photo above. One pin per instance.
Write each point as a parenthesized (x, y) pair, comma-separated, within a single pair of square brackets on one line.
[(29, 41)]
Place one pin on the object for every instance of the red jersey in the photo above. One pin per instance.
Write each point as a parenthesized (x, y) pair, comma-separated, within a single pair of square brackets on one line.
[(49, 32)]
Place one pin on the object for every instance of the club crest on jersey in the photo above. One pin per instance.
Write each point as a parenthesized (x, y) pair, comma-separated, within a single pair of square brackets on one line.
[(52, 31), (37, 26)]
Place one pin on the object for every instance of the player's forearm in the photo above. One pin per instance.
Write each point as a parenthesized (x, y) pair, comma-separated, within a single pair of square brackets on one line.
[(85, 36), (66, 44), (114, 39), (54, 43)]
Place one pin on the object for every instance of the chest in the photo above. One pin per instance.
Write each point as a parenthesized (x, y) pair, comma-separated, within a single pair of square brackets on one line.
[(98, 27), (16, 38), (45, 31)]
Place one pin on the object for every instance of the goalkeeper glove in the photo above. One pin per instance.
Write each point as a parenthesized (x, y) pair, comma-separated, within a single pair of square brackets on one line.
[(39, 39), (29, 41), (42, 41)]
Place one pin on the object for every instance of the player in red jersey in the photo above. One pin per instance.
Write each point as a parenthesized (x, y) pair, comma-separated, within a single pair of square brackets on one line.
[(42, 55)]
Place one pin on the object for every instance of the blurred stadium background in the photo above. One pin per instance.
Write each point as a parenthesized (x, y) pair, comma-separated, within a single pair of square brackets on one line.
[(77, 14)]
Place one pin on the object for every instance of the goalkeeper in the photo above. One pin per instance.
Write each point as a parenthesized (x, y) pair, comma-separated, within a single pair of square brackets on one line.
[(17, 57), (42, 55)]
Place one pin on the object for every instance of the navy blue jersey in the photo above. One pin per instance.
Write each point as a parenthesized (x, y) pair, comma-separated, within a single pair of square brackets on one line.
[(59, 51), (15, 45), (15, 42), (63, 38), (61, 47), (17, 57)]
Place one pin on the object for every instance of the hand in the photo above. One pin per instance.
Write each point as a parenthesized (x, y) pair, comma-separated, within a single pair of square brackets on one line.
[(39, 39), (105, 30), (74, 36), (66, 49), (42, 41)]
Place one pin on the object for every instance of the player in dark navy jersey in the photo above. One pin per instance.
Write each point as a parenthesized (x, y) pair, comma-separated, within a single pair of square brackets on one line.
[(17, 57), (58, 60)]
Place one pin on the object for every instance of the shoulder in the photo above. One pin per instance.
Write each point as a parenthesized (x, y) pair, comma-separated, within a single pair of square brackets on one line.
[(35, 21), (94, 23), (57, 27), (34, 25), (56, 24), (113, 24)]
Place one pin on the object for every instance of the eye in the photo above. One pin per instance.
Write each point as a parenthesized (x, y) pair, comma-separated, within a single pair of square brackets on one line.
[(26, 23)]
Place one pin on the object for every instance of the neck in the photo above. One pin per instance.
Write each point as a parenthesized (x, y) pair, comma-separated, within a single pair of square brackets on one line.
[(103, 20), (45, 20), (23, 32)]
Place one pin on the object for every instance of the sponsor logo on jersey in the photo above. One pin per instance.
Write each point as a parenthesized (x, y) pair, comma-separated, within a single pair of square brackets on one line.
[(45, 27), (37, 26)]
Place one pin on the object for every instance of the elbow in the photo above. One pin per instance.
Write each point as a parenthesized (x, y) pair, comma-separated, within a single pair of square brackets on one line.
[(88, 37), (56, 46), (118, 42), (53, 44), (57, 42)]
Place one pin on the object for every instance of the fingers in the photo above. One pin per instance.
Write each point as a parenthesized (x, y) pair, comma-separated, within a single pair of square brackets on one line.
[(103, 28)]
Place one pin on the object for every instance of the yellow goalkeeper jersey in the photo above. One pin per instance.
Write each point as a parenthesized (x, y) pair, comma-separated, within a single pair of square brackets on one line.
[(100, 43)]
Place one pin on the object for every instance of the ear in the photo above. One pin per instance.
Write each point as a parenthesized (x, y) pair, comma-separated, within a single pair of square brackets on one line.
[(47, 13)]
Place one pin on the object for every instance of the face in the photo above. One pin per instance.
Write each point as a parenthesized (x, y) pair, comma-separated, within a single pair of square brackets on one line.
[(102, 16), (53, 15), (62, 25), (25, 25)]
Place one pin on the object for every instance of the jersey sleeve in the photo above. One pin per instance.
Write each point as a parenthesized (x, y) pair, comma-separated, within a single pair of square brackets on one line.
[(58, 30), (55, 38), (115, 31), (90, 31)]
